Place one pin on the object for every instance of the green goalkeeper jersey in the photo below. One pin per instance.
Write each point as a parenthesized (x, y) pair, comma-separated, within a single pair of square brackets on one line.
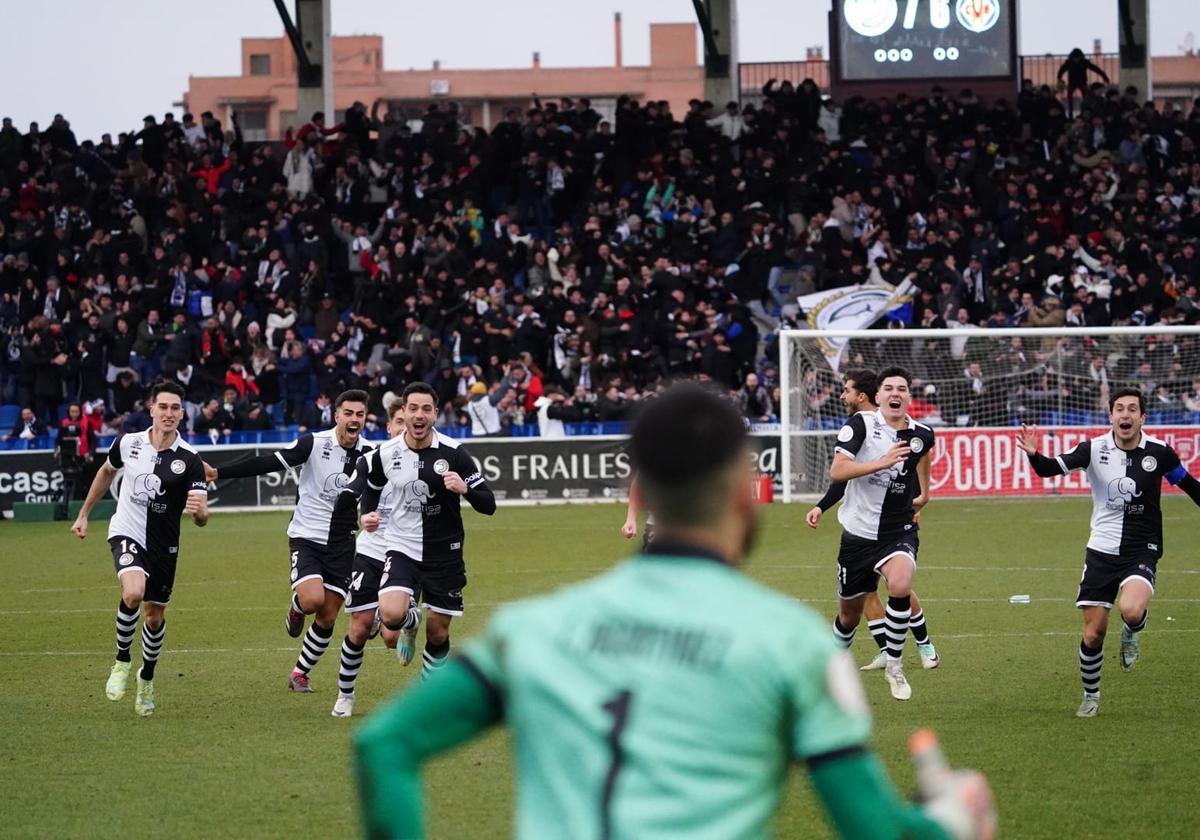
[(666, 698)]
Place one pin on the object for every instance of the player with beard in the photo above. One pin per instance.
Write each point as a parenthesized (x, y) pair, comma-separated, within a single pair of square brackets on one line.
[(667, 697), (321, 531), (858, 395), (429, 475), (1125, 469), (362, 601), (878, 455)]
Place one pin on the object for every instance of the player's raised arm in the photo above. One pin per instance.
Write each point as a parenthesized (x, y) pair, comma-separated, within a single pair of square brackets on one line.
[(1076, 459), (287, 458)]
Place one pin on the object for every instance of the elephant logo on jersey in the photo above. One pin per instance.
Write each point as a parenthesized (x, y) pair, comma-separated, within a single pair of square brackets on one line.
[(145, 487), (417, 494), (334, 485), (1122, 491)]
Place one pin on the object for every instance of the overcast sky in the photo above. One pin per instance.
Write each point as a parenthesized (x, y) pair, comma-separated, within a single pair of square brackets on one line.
[(105, 65)]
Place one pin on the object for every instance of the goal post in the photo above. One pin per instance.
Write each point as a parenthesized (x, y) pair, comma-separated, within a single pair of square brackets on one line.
[(975, 385)]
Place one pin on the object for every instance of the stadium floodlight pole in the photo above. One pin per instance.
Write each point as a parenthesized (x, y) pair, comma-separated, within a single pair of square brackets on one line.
[(1014, 380)]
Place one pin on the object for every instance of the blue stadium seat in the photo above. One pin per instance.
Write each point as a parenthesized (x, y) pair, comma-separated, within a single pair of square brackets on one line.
[(9, 412), (307, 332), (276, 412)]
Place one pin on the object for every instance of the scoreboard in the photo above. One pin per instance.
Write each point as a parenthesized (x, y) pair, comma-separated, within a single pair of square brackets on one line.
[(890, 40)]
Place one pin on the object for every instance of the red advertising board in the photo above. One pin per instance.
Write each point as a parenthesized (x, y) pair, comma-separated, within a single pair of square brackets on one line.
[(987, 462)]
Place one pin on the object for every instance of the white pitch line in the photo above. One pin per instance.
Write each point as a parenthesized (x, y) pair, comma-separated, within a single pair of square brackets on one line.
[(168, 650), (1000, 599)]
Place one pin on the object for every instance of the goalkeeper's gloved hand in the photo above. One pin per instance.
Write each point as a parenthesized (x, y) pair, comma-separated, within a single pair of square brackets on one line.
[(960, 801)]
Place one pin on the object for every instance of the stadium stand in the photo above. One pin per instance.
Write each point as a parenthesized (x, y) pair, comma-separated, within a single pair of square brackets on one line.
[(560, 268)]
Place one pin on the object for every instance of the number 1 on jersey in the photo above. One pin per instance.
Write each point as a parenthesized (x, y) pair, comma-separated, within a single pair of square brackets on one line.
[(618, 708)]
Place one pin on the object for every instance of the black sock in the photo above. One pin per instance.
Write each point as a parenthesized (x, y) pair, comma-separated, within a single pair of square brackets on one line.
[(916, 626), (876, 628), (896, 618), (843, 636), (1090, 661), (126, 626), (152, 641), (1139, 625), (352, 657), (316, 640), (434, 657)]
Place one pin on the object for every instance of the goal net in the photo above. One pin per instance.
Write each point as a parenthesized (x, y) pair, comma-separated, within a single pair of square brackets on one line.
[(974, 385)]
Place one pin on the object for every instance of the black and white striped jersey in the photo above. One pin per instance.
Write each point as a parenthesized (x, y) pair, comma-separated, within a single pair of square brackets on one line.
[(426, 518), (153, 488), (325, 471), (880, 505), (1126, 491), (373, 544)]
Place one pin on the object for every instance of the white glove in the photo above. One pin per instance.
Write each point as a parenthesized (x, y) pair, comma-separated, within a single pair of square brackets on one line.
[(962, 803)]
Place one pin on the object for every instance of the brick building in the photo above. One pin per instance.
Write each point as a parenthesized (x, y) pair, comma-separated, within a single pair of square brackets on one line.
[(264, 95)]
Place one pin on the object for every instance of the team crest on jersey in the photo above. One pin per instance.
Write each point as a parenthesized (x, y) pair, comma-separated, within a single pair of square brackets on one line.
[(916, 445), (440, 466), (124, 559), (1149, 463), (178, 467), (978, 15)]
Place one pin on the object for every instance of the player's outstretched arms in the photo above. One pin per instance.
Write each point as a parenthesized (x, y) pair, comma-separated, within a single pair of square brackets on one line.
[(100, 484), (451, 707), (249, 466)]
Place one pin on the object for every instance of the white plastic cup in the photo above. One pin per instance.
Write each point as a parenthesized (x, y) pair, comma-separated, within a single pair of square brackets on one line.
[(1018, 599)]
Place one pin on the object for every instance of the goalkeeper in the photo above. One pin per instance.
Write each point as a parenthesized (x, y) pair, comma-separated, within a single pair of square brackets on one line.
[(666, 697)]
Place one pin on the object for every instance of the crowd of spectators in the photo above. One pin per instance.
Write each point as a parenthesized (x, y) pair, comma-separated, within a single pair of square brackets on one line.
[(560, 267)]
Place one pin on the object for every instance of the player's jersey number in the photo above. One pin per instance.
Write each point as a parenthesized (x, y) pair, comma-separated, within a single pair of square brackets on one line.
[(617, 708)]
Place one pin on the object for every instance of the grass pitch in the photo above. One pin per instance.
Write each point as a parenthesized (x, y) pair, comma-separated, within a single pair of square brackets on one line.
[(231, 753)]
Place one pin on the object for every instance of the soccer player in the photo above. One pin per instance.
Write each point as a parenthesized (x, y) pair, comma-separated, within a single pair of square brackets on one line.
[(1125, 469), (162, 477), (882, 456), (858, 394), (362, 601), (430, 475), (321, 531), (666, 697)]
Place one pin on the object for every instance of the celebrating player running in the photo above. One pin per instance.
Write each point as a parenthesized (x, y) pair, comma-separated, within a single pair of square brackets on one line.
[(883, 457), (1125, 469), (321, 531), (163, 478)]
